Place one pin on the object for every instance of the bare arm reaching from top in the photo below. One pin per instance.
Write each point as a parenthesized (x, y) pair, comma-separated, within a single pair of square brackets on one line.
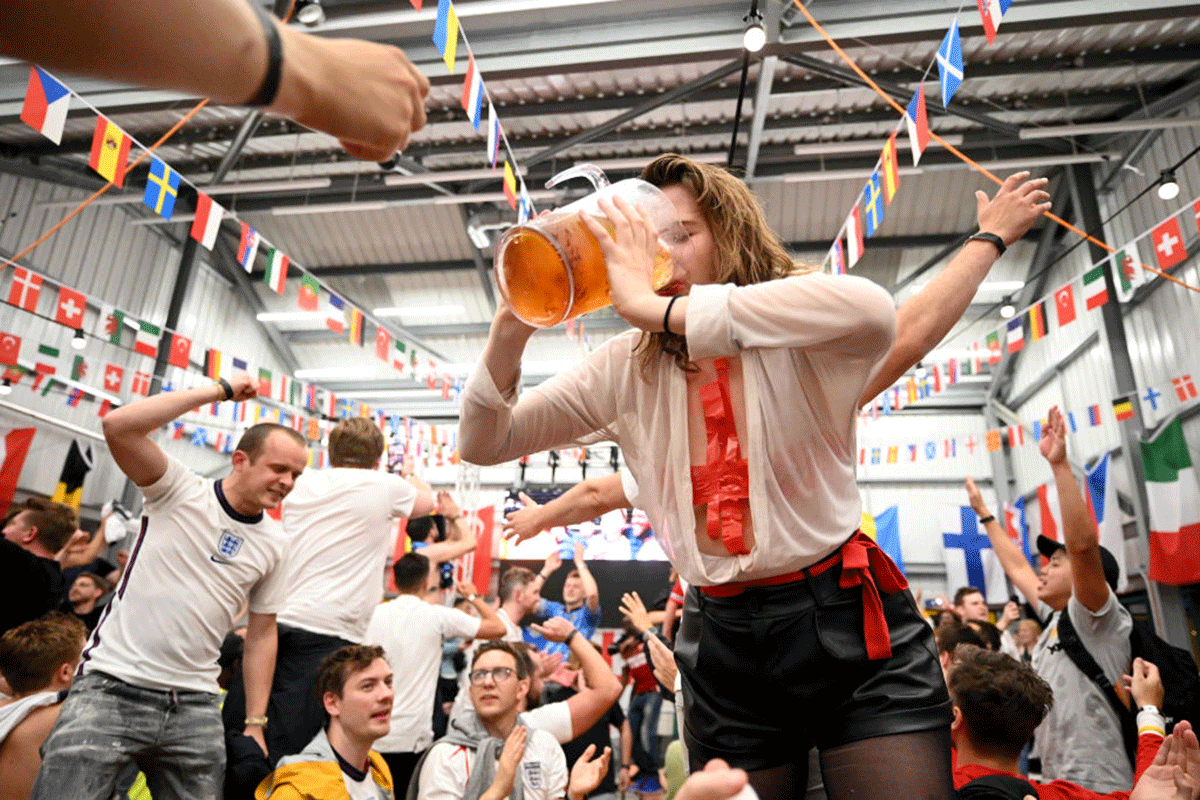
[(367, 95)]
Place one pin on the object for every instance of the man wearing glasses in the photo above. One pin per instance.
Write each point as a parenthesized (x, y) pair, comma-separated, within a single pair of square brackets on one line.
[(487, 755)]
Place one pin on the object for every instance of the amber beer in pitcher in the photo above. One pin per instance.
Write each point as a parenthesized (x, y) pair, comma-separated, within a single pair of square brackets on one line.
[(551, 269)]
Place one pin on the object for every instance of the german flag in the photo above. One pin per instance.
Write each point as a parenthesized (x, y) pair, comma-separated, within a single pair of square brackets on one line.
[(1122, 409), (212, 363), (110, 151), (75, 469), (1037, 322)]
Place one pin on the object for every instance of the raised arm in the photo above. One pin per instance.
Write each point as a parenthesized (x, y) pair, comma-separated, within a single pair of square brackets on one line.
[(603, 688), (460, 540), (591, 591), (367, 95), (127, 429), (1007, 551), (585, 500), (924, 319), (490, 624), (1080, 536)]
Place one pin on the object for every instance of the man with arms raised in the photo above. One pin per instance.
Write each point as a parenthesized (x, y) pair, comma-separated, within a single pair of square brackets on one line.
[(147, 691), (355, 687), (1081, 738)]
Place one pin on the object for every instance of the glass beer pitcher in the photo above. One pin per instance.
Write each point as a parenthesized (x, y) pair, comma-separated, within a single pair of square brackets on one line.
[(550, 269)]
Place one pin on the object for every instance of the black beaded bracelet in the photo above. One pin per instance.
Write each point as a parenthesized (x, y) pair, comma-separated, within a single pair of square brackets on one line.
[(667, 314), (270, 84)]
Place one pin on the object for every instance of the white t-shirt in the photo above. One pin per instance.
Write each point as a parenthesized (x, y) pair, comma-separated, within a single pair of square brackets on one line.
[(339, 521), (411, 632), (808, 346), (462, 700), (553, 718), (366, 789), (1080, 739), (14, 713), (196, 561), (543, 770)]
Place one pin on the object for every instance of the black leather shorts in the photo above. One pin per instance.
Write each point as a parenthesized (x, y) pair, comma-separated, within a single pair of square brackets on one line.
[(774, 670)]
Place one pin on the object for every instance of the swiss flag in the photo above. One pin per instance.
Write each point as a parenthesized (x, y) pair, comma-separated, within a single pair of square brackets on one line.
[(70, 308), (1169, 249), (113, 376), (10, 348), (181, 351)]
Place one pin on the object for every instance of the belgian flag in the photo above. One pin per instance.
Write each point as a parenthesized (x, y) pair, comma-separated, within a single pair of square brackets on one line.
[(70, 481)]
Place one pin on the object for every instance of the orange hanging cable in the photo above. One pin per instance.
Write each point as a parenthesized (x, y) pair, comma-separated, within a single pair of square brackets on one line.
[(961, 155)]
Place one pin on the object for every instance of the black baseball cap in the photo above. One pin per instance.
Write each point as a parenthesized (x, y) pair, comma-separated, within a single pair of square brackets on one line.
[(1112, 572)]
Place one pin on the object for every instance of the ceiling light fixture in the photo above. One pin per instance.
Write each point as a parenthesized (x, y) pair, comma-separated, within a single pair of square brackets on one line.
[(1007, 311), (77, 341), (755, 35), (1168, 187), (309, 12), (6, 386)]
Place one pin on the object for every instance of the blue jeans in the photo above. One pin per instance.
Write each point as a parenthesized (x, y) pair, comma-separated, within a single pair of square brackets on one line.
[(106, 724), (644, 711)]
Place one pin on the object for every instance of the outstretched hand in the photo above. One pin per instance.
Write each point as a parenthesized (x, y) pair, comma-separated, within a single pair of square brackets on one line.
[(588, 772), (629, 253), (521, 523), (1053, 444), (1015, 207)]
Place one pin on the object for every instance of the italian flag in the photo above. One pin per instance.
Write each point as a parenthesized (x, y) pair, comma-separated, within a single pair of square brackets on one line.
[(277, 270), (1174, 496), (147, 339)]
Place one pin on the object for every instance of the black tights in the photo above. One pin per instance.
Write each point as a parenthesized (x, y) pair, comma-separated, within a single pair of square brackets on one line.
[(904, 766)]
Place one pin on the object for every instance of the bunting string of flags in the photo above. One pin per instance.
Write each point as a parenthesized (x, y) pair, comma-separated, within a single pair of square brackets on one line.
[(46, 104), (883, 182)]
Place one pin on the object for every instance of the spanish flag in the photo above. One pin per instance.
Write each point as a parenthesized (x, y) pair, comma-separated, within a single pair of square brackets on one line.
[(891, 173), (70, 482), (110, 151)]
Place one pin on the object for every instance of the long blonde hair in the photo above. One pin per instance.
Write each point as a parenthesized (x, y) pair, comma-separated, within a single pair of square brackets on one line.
[(747, 250)]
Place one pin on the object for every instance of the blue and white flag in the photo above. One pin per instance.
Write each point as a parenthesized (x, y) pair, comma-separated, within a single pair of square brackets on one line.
[(970, 560), (950, 63), (887, 535), (1102, 502)]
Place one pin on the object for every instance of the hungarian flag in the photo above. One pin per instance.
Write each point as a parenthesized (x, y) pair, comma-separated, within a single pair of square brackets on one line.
[(181, 351), (1174, 499), (277, 270), (70, 307), (207, 223), (146, 342), (14, 446), (1094, 291), (309, 288), (110, 151), (46, 105), (70, 480)]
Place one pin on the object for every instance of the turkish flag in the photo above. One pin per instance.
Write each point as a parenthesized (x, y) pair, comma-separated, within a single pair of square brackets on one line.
[(383, 343), (70, 308), (1169, 249), (181, 351), (10, 348), (1064, 303)]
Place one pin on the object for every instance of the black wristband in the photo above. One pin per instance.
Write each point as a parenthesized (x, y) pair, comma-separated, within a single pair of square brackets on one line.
[(667, 314), (224, 384), (570, 636), (987, 519), (270, 83), (984, 236)]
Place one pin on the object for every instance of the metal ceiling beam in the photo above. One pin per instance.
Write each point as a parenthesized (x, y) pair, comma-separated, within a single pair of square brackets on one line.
[(762, 99), (482, 270), (1162, 107)]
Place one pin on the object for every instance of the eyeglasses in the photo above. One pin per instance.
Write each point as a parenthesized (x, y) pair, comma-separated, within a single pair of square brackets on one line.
[(497, 674)]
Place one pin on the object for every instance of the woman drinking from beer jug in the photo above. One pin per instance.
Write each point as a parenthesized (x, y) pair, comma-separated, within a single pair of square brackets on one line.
[(734, 402)]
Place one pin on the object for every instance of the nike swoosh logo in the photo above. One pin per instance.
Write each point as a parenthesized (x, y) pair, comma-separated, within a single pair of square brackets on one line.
[(219, 560)]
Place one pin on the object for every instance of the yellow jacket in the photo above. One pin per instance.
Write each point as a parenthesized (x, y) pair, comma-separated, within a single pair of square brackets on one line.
[(314, 774)]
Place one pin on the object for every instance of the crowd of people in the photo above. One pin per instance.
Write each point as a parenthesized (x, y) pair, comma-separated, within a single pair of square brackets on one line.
[(235, 655)]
